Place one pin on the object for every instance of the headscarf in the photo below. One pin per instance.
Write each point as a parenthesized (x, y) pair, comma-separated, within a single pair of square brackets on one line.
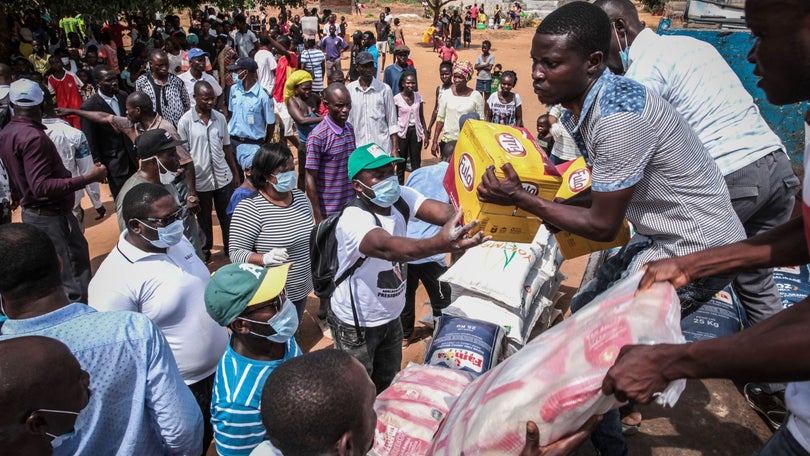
[(295, 79), (463, 68)]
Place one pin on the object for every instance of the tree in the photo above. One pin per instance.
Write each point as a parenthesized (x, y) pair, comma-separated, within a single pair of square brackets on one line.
[(101, 11), (436, 6)]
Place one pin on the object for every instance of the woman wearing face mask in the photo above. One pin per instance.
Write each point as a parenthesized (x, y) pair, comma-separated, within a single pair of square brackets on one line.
[(272, 226), (251, 301), (157, 151)]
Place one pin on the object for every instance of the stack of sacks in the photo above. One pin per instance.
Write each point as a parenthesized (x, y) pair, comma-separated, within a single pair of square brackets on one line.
[(507, 283), (556, 379), (410, 410)]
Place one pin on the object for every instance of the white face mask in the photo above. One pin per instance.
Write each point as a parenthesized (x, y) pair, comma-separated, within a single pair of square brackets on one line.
[(166, 177), (65, 61)]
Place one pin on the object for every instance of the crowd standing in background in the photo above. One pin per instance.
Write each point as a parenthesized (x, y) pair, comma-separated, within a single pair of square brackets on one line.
[(183, 123)]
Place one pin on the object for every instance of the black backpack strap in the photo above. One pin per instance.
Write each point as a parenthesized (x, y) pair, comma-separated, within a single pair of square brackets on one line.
[(405, 210)]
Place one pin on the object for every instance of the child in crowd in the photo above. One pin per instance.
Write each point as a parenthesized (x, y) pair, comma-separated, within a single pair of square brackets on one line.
[(446, 77), (411, 123), (484, 64), (544, 137), (87, 90), (343, 26), (447, 52), (468, 25), (504, 106), (496, 78)]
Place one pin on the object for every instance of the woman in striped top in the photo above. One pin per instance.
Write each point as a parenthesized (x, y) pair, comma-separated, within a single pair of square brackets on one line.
[(272, 225)]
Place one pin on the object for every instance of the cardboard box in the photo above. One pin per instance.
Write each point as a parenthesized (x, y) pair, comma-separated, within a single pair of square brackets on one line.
[(576, 178), (482, 144)]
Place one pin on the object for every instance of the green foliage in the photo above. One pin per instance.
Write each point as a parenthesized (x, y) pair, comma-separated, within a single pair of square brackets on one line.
[(654, 6), (108, 9)]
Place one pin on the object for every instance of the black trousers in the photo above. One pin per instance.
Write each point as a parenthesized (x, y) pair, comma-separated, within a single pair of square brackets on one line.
[(410, 148), (438, 292), (202, 391), (215, 200)]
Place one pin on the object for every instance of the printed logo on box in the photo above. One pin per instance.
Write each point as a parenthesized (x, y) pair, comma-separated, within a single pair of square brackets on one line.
[(510, 144), (579, 180), (529, 187), (466, 171), (459, 359)]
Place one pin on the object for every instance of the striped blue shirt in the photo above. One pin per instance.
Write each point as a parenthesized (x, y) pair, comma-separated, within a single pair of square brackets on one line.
[(633, 138), (235, 403)]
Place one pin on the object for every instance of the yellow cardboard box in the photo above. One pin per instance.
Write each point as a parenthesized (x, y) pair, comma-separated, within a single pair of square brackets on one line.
[(576, 178), (482, 144)]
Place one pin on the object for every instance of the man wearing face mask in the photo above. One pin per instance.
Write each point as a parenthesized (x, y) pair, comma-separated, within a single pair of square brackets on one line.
[(251, 301), (253, 117), (139, 403), (365, 308), (153, 270)]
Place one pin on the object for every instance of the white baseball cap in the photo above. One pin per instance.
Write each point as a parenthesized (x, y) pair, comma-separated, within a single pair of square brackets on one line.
[(25, 92)]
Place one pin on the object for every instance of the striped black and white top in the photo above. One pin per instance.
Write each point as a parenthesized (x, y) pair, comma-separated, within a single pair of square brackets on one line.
[(633, 138), (258, 225)]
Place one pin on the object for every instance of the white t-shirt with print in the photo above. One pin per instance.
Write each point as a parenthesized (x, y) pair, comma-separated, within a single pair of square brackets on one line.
[(378, 285)]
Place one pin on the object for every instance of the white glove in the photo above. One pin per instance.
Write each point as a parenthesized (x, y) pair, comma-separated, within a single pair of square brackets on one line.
[(275, 257)]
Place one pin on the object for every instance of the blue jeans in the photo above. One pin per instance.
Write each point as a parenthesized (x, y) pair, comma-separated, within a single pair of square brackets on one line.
[(782, 443), (380, 352)]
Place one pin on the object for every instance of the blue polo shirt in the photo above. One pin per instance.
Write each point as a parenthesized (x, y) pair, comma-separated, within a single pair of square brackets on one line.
[(251, 110)]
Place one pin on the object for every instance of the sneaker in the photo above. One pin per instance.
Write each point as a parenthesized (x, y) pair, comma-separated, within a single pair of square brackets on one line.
[(325, 329), (769, 406)]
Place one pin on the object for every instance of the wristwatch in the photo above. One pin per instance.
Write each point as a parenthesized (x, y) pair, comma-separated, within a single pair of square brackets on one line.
[(192, 199)]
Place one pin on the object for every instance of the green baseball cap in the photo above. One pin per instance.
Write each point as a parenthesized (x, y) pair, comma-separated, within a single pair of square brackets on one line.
[(237, 286), (369, 156)]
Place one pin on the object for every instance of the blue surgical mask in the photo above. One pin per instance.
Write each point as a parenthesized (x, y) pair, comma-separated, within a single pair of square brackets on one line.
[(168, 236), (624, 54), (61, 438), (285, 181), (284, 322), (235, 76), (386, 192)]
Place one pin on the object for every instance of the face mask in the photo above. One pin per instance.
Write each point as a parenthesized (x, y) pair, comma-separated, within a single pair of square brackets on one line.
[(386, 192), (285, 181), (235, 76), (167, 235), (61, 438), (284, 322), (166, 177), (65, 61), (624, 54)]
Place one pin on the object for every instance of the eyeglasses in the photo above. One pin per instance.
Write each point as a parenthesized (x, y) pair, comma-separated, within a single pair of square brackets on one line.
[(275, 303), (180, 214)]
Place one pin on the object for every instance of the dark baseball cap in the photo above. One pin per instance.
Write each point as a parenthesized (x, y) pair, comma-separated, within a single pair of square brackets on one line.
[(153, 142), (244, 63), (364, 58)]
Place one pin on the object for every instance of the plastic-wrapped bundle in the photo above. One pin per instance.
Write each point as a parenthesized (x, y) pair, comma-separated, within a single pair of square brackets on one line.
[(556, 379), (410, 410)]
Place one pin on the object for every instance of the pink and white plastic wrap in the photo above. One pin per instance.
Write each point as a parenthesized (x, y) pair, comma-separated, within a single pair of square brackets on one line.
[(410, 410), (556, 379)]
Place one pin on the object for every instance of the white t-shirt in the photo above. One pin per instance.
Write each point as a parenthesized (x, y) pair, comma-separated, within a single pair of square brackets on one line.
[(266, 70), (168, 288), (378, 285)]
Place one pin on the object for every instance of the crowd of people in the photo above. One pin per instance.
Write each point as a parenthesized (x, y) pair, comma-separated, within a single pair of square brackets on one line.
[(155, 355)]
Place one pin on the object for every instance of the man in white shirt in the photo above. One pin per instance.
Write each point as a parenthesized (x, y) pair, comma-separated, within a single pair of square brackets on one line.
[(373, 250), (154, 270), (196, 72), (694, 78), (244, 39), (373, 113), (267, 65), (209, 144)]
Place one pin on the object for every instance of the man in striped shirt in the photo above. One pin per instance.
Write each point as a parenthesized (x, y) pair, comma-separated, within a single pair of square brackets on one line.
[(328, 148), (250, 300)]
